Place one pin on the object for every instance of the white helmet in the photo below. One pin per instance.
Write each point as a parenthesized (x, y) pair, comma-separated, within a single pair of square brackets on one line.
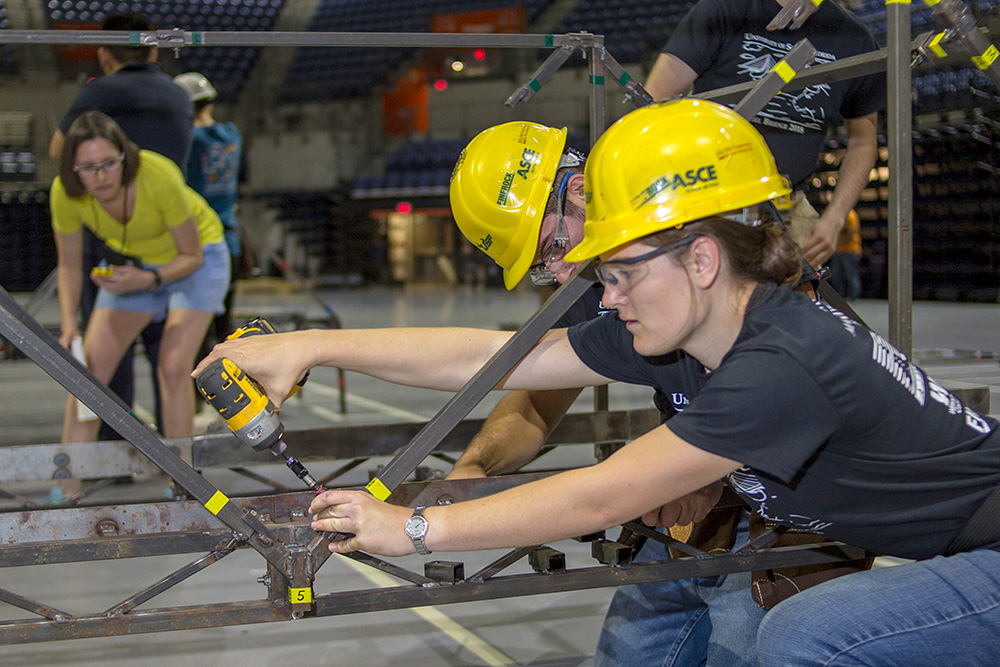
[(196, 86)]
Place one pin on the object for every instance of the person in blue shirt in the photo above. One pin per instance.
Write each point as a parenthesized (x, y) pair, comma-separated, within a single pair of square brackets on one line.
[(213, 170)]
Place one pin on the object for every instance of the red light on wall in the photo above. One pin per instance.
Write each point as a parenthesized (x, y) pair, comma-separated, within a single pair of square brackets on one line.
[(479, 54), (440, 84), (404, 207)]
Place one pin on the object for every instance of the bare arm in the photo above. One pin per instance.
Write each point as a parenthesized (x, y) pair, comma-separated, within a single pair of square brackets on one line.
[(669, 77), (433, 358), (56, 144), (514, 432), (649, 472), (855, 169), (69, 278)]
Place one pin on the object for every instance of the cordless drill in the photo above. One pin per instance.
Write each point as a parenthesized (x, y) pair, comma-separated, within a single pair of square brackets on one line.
[(247, 410)]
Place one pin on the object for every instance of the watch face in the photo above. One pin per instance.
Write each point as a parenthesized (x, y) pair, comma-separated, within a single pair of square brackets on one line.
[(416, 526)]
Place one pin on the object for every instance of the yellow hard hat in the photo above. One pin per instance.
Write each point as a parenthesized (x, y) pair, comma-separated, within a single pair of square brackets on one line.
[(499, 189), (667, 164)]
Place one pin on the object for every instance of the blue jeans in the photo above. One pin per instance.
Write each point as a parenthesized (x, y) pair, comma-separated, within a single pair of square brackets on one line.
[(682, 623), (943, 611)]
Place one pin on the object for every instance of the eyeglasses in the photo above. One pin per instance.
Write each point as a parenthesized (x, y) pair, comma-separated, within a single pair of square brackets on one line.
[(108, 167), (557, 246), (624, 274)]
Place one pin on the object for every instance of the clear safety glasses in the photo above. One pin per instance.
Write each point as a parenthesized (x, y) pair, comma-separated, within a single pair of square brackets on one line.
[(558, 245), (624, 274), (108, 167)]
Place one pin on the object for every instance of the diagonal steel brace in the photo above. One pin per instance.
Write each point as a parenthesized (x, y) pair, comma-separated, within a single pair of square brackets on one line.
[(22, 330), (406, 461)]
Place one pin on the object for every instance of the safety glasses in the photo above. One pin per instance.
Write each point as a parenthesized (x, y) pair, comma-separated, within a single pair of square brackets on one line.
[(108, 167), (624, 274), (557, 246)]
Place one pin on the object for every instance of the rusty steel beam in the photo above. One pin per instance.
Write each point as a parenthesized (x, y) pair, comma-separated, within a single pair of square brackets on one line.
[(403, 597), (27, 463)]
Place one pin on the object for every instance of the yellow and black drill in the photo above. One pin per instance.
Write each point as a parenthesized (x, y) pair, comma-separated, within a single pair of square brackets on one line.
[(247, 410)]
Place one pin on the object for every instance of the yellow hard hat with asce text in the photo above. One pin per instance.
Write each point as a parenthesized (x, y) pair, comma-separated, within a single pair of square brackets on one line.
[(668, 164)]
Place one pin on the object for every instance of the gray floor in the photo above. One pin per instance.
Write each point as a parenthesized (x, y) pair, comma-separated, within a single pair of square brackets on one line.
[(959, 342)]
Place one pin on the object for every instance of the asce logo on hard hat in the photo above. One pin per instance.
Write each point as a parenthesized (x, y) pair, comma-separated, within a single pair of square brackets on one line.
[(691, 179), (526, 165)]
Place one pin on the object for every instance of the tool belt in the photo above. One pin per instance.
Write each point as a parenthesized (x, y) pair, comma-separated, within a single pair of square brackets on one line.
[(717, 534)]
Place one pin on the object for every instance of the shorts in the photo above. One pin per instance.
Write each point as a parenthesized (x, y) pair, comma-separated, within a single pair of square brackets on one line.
[(204, 290)]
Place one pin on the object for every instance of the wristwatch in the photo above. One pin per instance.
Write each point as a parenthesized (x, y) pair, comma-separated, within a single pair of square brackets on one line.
[(416, 530)]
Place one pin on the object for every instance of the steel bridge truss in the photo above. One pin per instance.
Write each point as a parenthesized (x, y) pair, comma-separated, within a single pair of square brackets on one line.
[(277, 526)]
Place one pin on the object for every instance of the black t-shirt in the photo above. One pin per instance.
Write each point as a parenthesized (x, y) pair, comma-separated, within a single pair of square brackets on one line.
[(587, 307), (153, 111), (838, 432), (726, 42)]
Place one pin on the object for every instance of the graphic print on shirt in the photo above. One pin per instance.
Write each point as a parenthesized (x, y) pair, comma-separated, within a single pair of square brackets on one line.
[(220, 164), (751, 488), (799, 111), (919, 385)]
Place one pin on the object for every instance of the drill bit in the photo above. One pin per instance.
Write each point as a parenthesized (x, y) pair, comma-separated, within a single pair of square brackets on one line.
[(278, 449)]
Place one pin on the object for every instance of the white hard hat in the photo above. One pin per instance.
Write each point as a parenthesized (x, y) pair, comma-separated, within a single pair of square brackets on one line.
[(196, 86)]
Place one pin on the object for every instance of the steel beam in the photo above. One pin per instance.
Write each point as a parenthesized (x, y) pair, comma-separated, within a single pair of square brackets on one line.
[(88, 460), (175, 39), (417, 595), (900, 125)]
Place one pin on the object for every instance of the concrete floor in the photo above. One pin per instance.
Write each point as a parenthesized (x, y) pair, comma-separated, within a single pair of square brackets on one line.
[(559, 629)]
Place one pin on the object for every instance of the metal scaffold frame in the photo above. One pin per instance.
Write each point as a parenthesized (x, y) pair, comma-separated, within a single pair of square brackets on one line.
[(276, 526)]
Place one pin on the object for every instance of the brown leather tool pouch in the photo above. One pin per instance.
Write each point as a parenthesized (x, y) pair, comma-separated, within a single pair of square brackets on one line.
[(769, 587), (717, 533)]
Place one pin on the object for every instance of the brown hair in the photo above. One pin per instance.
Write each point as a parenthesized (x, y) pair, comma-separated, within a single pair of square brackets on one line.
[(765, 253), (95, 125)]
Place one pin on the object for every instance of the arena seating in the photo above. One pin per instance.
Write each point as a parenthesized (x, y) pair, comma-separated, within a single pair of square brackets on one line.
[(226, 67), (8, 61)]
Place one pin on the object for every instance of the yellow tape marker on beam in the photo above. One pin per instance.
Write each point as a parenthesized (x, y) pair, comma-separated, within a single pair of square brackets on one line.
[(216, 503), (931, 3), (936, 47), (300, 595), (785, 71), (985, 60), (378, 489), (906, 2), (817, 2)]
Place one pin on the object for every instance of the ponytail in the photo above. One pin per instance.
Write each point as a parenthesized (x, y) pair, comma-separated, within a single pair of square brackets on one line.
[(765, 253)]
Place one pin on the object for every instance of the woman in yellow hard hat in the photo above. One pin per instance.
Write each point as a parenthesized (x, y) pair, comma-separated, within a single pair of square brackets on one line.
[(815, 421)]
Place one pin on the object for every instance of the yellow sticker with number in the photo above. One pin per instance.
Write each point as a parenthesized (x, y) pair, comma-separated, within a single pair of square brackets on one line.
[(300, 595), (378, 489)]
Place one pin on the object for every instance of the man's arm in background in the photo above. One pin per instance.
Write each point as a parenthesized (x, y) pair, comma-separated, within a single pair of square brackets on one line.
[(514, 432), (853, 177), (669, 77)]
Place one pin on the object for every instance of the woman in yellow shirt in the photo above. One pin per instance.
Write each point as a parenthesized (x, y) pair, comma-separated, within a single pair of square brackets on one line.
[(166, 258)]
